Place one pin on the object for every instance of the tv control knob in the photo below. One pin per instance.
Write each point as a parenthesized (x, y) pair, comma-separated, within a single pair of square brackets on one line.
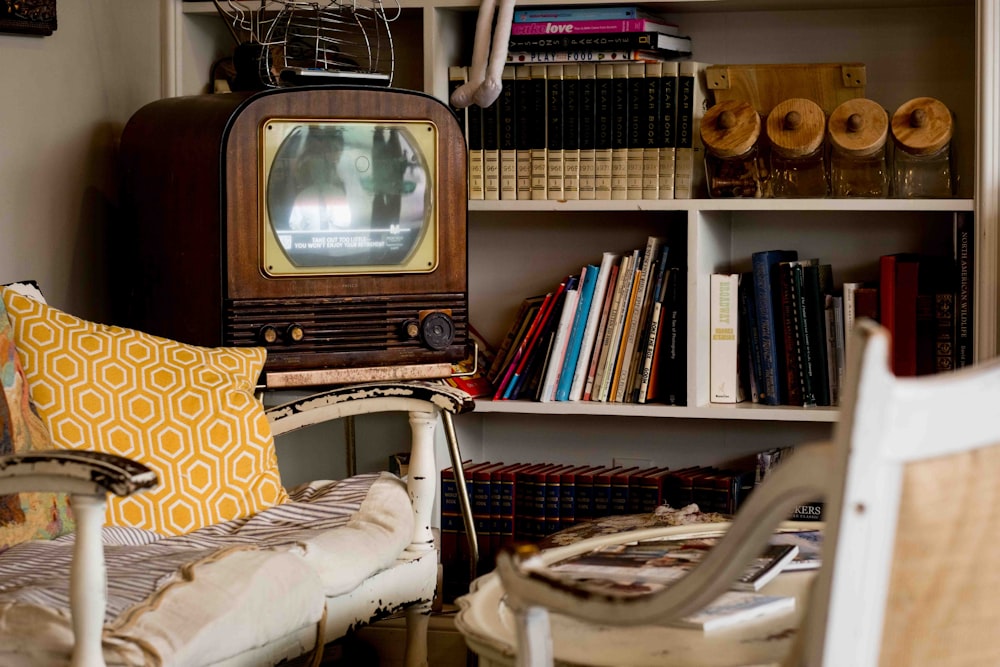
[(294, 333), (268, 334), (437, 331), (410, 329)]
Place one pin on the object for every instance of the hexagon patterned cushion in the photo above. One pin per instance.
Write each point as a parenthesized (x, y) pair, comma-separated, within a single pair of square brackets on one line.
[(187, 412)]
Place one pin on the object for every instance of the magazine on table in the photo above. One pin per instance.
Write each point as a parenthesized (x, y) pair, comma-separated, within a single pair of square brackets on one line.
[(639, 568)]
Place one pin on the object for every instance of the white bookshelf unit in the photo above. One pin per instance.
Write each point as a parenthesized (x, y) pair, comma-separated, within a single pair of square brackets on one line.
[(947, 49)]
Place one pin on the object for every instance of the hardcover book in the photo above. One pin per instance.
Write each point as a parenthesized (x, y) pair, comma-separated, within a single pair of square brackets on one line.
[(474, 140), (539, 130), (724, 342), (574, 345), (678, 45), (554, 130), (491, 151), (571, 131), (523, 122), (692, 99), (965, 255), (598, 352), (619, 130), (652, 131), (765, 289), (508, 134), (898, 280), (637, 101), (591, 13), (604, 126), (589, 26), (668, 128), (588, 130)]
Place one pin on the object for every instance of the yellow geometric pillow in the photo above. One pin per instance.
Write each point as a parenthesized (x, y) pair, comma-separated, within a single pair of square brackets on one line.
[(187, 412)]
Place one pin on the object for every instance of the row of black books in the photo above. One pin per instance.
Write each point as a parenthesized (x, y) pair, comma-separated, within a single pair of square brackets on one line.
[(592, 130), (526, 502), (780, 334), (615, 332)]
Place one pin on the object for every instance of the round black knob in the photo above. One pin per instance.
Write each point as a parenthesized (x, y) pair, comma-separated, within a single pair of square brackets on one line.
[(437, 331), (410, 329), (294, 333), (268, 334)]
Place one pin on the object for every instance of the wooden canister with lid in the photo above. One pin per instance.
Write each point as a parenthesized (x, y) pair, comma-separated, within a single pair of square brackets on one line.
[(857, 132), (922, 129), (795, 131), (730, 131)]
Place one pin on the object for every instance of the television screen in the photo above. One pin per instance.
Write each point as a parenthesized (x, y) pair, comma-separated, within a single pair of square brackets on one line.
[(346, 196)]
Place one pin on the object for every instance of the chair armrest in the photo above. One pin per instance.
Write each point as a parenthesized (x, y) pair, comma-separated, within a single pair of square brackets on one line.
[(73, 471), (367, 398)]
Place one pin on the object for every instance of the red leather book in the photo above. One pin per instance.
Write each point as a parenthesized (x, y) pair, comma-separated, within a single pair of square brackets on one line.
[(482, 489), (602, 491), (620, 489), (502, 498), (524, 496), (567, 495), (898, 286)]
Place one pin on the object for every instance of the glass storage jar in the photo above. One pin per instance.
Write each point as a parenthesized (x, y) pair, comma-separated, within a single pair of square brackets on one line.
[(730, 131), (857, 132), (795, 130), (922, 157)]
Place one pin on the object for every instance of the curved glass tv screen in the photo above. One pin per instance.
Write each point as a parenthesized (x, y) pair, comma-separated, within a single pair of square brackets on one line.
[(348, 197)]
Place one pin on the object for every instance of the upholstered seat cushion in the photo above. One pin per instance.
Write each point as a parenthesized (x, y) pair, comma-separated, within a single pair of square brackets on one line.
[(258, 579)]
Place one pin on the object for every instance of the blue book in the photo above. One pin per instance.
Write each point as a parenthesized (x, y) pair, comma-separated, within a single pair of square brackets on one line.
[(765, 279), (576, 333), (541, 14)]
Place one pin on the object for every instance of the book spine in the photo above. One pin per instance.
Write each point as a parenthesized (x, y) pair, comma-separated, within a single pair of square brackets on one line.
[(764, 271), (481, 512), (508, 134), (965, 256), (451, 522), (619, 501), (612, 373), (749, 344), (523, 101), (635, 130), (560, 344), (668, 129), (571, 131), (898, 280), (619, 131), (652, 131), (456, 77), (474, 140), (522, 58), (585, 494), (850, 315), (655, 319), (491, 151), (607, 41), (602, 333), (553, 501), (574, 345), (554, 130), (539, 125), (815, 304), (725, 386), (602, 493), (803, 336), (599, 13), (603, 144), (587, 26), (588, 129), (636, 326), (689, 177), (834, 312), (675, 356), (787, 324)]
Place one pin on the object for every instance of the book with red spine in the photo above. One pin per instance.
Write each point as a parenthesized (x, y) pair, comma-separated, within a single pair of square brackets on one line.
[(898, 287)]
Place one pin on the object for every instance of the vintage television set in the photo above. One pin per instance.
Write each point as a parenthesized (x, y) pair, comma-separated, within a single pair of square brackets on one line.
[(326, 223)]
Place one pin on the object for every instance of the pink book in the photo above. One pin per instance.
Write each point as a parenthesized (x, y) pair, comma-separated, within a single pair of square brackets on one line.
[(593, 26)]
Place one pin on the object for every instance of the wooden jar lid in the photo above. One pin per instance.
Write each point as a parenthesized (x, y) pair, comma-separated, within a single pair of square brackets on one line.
[(796, 127), (859, 127), (730, 128), (922, 126)]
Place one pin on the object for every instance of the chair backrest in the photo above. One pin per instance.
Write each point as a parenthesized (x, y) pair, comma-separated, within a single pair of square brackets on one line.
[(911, 568), (911, 573)]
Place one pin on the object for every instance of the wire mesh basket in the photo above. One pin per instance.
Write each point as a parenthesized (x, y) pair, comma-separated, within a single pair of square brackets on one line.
[(290, 42)]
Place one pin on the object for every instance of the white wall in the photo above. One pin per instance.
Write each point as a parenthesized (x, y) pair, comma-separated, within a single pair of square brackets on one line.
[(66, 98)]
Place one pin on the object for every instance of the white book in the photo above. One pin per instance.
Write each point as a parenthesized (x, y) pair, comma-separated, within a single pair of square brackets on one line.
[(558, 351), (725, 386), (590, 332), (734, 608)]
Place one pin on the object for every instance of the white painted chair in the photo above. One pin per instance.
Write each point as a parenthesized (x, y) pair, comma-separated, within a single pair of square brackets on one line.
[(407, 586), (910, 571)]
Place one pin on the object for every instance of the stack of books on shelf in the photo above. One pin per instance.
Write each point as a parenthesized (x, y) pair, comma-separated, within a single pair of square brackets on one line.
[(614, 332), (528, 501), (597, 103), (780, 333)]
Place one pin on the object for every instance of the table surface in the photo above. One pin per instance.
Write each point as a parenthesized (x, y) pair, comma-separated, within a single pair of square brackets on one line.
[(487, 623)]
